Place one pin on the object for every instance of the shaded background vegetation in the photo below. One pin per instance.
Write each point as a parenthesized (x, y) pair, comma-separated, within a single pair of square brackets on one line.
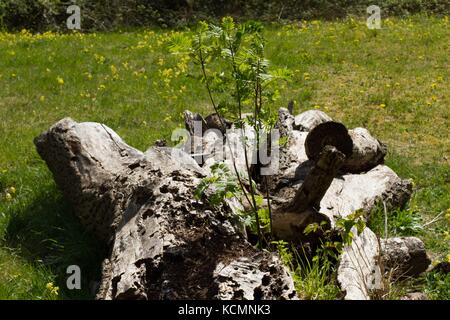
[(106, 15)]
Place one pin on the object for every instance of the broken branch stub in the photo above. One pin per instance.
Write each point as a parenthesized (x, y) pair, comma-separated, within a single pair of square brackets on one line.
[(318, 180), (190, 118), (290, 221)]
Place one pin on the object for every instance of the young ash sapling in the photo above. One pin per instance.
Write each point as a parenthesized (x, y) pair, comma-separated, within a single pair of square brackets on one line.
[(238, 79)]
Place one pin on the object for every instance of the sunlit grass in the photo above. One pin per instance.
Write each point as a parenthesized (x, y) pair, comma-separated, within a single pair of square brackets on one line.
[(394, 81)]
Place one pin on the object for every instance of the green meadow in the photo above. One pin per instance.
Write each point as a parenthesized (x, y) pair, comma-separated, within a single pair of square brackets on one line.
[(393, 81)]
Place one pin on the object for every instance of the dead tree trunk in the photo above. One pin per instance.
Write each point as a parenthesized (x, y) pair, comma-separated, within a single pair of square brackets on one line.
[(164, 243), (318, 180), (290, 220)]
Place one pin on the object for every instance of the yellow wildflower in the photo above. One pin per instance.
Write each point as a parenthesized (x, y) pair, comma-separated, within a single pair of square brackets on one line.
[(167, 72), (53, 290), (114, 72), (382, 105), (60, 80), (8, 196), (12, 190), (42, 98), (99, 58)]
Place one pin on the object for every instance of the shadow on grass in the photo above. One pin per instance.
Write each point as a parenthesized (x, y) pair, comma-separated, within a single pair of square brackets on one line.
[(45, 232)]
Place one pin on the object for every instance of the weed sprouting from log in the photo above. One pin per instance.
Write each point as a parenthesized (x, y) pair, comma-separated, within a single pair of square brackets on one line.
[(221, 183), (334, 240), (237, 78), (314, 278), (315, 275)]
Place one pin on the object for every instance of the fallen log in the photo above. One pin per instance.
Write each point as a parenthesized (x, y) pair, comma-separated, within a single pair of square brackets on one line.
[(310, 119), (359, 271), (164, 244), (306, 190), (367, 152), (404, 256), (364, 264)]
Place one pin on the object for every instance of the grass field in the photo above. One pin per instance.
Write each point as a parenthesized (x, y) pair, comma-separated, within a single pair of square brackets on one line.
[(393, 81)]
